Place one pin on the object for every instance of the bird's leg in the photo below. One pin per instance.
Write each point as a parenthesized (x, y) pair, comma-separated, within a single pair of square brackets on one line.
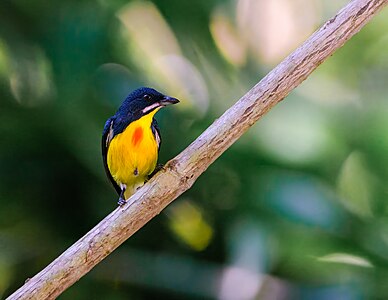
[(122, 200), (157, 169)]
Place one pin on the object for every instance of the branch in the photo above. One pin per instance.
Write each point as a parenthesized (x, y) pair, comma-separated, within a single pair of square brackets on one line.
[(181, 172)]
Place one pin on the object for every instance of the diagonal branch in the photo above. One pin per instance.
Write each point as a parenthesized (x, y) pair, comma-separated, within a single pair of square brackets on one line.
[(182, 171)]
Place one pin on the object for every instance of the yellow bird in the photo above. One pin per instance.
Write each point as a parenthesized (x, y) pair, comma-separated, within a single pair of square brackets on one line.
[(131, 141)]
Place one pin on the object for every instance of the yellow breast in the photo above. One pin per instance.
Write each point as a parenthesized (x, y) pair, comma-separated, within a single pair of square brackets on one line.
[(133, 154)]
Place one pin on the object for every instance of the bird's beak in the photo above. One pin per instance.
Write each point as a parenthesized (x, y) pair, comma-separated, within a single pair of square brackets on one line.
[(168, 101)]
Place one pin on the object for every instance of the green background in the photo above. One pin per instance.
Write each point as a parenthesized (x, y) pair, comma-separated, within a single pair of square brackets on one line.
[(296, 209)]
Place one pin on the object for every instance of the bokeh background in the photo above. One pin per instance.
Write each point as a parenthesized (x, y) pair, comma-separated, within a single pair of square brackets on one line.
[(296, 209)]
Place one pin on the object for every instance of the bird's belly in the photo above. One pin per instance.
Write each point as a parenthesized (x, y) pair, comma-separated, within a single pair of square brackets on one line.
[(132, 155)]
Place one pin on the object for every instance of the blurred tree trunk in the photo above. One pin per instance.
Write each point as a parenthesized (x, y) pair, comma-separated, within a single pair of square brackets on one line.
[(181, 172)]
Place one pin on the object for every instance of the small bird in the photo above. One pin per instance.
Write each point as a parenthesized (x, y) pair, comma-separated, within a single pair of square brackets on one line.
[(131, 140)]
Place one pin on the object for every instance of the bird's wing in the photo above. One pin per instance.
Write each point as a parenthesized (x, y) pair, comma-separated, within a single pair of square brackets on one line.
[(156, 132), (107, 137)]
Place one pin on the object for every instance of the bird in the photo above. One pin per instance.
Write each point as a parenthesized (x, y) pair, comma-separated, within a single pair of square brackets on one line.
[(131, 141)]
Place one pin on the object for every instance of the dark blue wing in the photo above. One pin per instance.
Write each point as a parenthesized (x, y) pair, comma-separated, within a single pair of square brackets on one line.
[(156, 132), (107, 136)]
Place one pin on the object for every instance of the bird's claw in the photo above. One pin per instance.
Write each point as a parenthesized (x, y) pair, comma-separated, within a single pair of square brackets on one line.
[(159, 167), (121, 201)]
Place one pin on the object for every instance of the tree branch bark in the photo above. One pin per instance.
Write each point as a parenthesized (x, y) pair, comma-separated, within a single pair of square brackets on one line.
[(181, 172)]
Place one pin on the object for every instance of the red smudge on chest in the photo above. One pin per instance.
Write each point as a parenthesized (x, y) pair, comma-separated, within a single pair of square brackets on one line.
[(137, 136)]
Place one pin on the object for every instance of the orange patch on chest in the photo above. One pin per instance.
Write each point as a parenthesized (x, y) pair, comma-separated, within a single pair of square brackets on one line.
[(137, 136)]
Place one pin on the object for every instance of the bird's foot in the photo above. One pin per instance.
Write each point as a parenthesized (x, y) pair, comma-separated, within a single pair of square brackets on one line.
[(159, 167), (121, 201)]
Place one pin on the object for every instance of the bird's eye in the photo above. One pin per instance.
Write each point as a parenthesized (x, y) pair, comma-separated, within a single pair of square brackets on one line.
[(147, 97)]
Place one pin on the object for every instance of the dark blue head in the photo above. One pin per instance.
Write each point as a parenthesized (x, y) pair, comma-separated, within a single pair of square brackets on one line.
[(143, 101), (137, 104)]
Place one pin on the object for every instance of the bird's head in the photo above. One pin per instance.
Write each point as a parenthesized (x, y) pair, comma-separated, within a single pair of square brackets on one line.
[(144, 101)]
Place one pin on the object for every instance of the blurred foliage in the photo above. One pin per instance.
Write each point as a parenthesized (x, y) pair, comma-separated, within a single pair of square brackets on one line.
[(296, 209)]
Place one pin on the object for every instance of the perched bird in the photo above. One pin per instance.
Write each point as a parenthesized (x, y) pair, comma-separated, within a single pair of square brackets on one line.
[(131, 141)]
